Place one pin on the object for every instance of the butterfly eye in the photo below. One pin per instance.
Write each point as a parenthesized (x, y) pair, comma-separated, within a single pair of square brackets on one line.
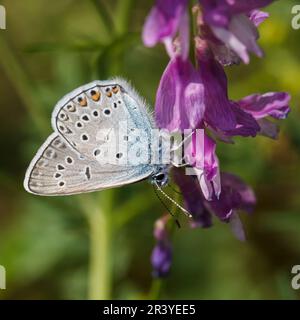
[(82, 101), (160, 177), (95, 95)]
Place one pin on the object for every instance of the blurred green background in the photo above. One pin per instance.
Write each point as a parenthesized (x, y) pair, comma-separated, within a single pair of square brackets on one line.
[(99, 245)]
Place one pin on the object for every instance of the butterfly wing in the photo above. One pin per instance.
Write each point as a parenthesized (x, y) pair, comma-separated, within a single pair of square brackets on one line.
[(83, 121), (83, 116), (58, 169)]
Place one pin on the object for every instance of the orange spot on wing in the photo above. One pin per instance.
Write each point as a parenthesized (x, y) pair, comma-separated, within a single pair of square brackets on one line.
[(95, 95), (82, 101), (115, 89)]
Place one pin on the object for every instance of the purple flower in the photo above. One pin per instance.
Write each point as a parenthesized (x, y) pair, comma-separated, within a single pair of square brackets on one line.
[(218, 111), (234, 23), (235, 196), (195, 97), (166, 18), (161, 257), (193, 199), (179, 99), (201, 155), (260, 106), (240, 36), (274, 104), (221, 114), (219, 12), (257, 17)]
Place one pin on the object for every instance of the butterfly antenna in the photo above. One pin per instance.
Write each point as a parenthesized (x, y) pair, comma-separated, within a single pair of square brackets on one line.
[(166, 207), (188, 214)]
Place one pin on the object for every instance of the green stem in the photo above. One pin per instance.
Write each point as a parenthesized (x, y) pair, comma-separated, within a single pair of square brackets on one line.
[(100, 264), (104, 16), (122, 17), (155, 290)]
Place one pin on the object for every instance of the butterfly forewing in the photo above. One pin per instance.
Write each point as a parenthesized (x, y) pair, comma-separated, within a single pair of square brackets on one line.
[(84, 115)]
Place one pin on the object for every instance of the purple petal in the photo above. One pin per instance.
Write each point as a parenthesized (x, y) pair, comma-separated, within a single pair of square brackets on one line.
[(235, 195), (224, 205), (247, 196), (216, 13), (246, 124), (257, 17), (224, 55), (240, 36), (268, 128), (179, 99), (160, 228), (274, 104), (237, 227), (219, 12), (244, 29), (193, 201), (218, 111), (232, 42), (163, 21), (201, 155), (220, 135), (244, 6), (161, 259)]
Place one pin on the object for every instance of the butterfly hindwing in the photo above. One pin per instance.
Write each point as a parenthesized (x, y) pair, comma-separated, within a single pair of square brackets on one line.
[(57, 169)]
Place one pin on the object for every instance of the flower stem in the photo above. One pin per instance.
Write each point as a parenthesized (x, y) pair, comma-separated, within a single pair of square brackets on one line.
[(100, 264), (104, 16), (122, 19), (155, 290)]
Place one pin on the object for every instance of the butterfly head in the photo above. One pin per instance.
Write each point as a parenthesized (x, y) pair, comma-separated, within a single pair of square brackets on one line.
[(160, 177)]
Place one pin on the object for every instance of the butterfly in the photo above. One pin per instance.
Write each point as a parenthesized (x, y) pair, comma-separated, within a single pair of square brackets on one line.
[(84, 122)]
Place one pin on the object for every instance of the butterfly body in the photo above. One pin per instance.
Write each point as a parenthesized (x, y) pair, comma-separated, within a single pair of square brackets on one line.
[(102, 139)]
